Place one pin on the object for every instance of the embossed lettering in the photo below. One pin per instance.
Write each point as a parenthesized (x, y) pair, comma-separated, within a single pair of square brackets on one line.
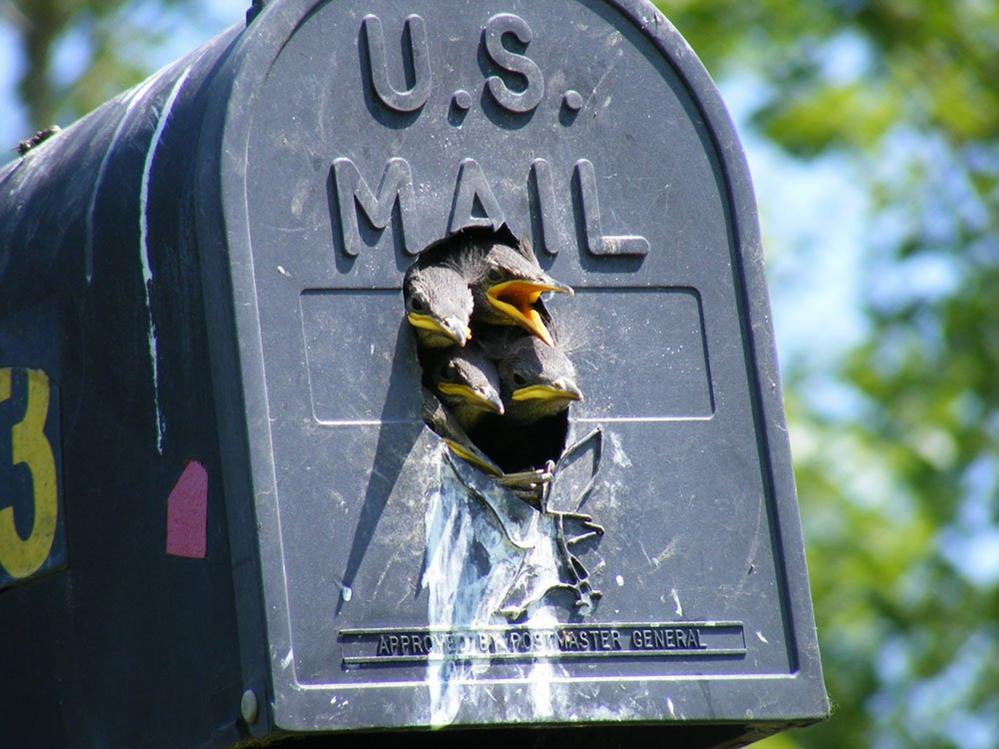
[(596, 242), (645, 640), (543, 184), (667, 639), (474, 203), (416, 96), (353, 193), (526, 100)]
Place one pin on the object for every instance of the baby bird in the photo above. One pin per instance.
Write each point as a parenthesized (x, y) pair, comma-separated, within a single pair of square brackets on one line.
[(536, 380), (506, 283), (465, 380), (445, 425), (438, 305), (537, 385)]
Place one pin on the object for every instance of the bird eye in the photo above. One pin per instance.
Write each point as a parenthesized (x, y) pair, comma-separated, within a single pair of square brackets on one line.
[(495, 275), (446, 373), (418, 304), (519, 380)]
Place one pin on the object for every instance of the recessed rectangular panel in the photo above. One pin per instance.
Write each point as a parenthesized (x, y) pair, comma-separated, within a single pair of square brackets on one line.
[(669, 380), (349, 382), (351, 340)]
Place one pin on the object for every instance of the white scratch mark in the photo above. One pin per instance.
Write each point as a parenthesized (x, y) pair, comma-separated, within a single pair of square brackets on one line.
[(676, 600), (283, 272), (147, 272), (762, 638), (131, 100), (645, 554), (602, 79), (669, 704), (286, 661)]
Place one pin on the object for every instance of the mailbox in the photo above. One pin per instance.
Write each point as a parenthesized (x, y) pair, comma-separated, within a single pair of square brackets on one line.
[(227, 511)]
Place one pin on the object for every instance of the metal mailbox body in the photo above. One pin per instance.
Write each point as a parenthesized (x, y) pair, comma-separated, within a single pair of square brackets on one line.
[(208, 269)]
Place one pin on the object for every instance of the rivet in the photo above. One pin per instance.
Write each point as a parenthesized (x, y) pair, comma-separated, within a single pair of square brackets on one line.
[(573, 100), (462, 100), (248, 707)]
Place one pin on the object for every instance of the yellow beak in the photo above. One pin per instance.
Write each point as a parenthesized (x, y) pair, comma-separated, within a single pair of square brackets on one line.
[(454, 329), (472, 458), (516, 300), (486, 401), (563, 388)]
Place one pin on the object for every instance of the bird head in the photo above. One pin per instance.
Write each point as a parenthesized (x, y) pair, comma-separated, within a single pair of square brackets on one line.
[(510, 281), (438, 305), (537, 380), (466, 379)]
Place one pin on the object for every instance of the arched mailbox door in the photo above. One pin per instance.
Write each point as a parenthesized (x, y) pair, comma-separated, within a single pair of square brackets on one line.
[(239, 460), (357, 134)]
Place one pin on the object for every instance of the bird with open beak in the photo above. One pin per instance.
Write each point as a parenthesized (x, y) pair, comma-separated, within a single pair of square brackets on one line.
[(536, 380), (438, 305), (465, 380), (506, 284)]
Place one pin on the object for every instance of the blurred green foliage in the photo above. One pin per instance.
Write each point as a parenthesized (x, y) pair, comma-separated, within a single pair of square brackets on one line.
[(110, 44), (898, 486)]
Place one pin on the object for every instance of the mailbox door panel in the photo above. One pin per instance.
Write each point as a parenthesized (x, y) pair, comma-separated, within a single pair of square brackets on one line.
[(357, 135)]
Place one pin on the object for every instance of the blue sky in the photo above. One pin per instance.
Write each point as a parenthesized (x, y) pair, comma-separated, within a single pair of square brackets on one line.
[(182, 32)]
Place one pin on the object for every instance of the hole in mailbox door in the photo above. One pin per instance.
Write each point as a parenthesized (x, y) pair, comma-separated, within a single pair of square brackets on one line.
[(498, 384), (497, 389)]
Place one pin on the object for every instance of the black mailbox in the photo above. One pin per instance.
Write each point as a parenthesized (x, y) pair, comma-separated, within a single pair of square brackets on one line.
[(228, 507)]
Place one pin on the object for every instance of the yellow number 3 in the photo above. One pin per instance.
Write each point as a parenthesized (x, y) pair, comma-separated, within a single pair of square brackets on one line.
[(22, 557)]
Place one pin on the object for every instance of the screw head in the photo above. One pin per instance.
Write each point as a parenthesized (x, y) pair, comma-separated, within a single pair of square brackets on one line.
[(462, 100), (573, 100), (249, 707)]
